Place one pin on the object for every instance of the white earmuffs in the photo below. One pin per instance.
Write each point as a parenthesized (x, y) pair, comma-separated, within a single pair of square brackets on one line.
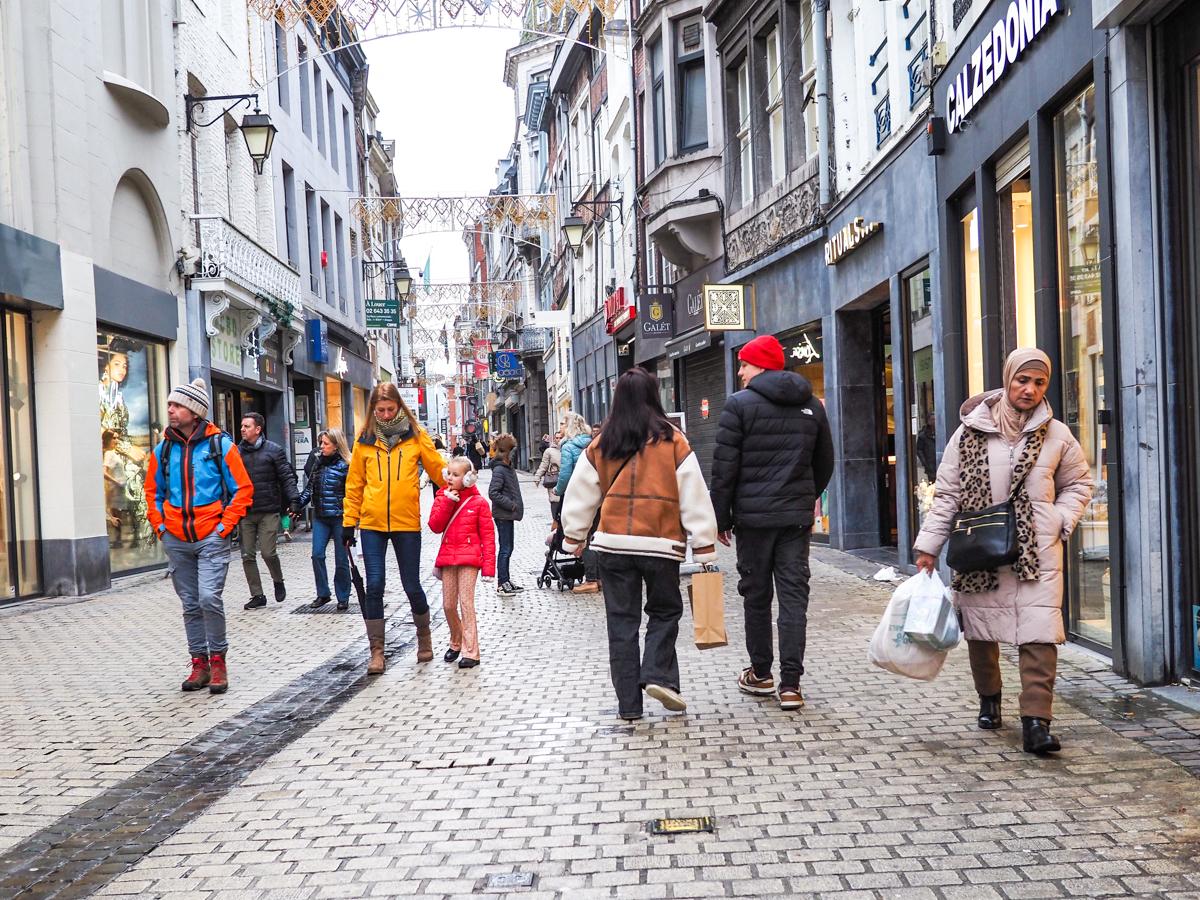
[(470, 477)]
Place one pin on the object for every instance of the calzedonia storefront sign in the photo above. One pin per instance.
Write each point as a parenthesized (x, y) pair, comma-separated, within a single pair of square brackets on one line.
[(1000, 49)]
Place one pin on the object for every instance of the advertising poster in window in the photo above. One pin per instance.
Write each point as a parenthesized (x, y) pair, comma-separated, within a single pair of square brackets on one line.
[(131, 393)]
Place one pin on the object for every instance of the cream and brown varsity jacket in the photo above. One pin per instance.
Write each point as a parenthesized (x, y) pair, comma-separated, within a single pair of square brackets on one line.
[(648, 505)]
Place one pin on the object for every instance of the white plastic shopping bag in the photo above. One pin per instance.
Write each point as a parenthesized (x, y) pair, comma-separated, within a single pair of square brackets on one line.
[(895, 651), (931, 617)]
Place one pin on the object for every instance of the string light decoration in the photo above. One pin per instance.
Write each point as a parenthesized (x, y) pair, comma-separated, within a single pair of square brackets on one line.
[(455, 213), (379, 18)]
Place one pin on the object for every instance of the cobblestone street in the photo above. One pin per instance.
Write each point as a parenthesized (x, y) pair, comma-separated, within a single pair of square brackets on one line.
[(307, 780)]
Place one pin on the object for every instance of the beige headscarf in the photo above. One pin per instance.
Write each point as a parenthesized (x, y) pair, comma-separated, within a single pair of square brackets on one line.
[(1010, 420)]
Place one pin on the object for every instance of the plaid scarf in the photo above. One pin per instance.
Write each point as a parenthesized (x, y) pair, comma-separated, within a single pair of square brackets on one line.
[(976, 494), (391, 433)]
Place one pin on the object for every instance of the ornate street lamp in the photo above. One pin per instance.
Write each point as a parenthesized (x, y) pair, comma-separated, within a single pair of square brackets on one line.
[(573, 228), (256, 127)]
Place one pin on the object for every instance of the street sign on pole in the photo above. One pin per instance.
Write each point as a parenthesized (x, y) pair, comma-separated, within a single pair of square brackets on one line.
[(383, 312)]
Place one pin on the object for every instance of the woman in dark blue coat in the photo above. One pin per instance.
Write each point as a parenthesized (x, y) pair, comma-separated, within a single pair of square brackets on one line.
[(325, 488)]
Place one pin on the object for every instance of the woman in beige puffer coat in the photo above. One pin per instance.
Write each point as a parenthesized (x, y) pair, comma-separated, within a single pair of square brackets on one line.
[(1004, 433)]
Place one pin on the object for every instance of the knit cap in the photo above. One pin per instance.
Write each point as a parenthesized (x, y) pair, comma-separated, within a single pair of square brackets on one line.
[(192, 396), (764, 351)]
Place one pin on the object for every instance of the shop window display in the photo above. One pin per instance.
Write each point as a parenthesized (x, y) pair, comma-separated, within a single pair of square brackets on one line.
[(922, 426), (804, 353), (132, 390), (1080, 307), (973, 301)]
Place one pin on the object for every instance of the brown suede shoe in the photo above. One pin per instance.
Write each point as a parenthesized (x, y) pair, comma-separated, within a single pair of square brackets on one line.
[(424, 637), (375, 636)]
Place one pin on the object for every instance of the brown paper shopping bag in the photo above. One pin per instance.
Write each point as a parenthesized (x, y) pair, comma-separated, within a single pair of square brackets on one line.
[(707, 593)]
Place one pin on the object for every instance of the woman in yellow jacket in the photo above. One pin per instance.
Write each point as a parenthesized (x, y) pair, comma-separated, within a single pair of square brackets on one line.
[(383, 501)]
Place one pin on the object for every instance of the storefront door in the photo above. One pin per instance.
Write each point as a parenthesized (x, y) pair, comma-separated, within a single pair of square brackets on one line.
[(1081, 328), (20, 563), (886, 419), (1182, 33)]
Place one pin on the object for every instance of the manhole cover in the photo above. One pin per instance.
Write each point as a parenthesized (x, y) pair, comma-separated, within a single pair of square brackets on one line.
[(510, 880), (683, 826)]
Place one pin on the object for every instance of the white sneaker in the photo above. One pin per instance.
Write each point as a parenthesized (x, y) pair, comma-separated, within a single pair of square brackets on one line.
[(670, 699)]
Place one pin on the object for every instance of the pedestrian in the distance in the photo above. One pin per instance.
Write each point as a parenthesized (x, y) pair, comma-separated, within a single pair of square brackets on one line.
[(198, 490), (325, 489), (773, 459), (440, 447), (643, 477), (274, 493), (475, 451), (508, 508), (383, 501), (577, 436), (1010, 446), (547, 477), (461, 516)]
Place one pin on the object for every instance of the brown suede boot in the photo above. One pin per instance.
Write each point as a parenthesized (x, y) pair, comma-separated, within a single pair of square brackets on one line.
[(424, 637), (378, 664)]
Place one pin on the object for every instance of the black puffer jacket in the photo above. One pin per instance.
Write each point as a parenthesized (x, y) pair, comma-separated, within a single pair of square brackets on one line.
[(774, 455), (326, 487), (505, 494), (273, 477)]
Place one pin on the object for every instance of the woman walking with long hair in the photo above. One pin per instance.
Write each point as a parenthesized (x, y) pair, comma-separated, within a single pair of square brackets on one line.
[(643, 477), (325, 488), (383, 502), (1011, 448)]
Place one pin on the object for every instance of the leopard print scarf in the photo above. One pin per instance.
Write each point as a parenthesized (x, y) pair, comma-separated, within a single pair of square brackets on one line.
[(976, 493)]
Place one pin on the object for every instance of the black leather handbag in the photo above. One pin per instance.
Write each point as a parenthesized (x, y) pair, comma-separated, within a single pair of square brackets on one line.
[(984, 539)]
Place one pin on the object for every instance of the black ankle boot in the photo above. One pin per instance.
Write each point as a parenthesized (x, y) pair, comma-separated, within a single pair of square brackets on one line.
[(1037, 737), (989, 712)]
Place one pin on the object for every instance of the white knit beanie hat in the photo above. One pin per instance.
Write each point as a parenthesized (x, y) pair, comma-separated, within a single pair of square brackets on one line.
[(192, 396)]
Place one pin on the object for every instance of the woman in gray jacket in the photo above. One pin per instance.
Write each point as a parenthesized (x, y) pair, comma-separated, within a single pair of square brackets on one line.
[(1006, 435), (508, 508)]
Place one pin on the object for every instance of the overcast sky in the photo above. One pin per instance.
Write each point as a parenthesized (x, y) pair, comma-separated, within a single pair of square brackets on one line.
[(443, 99)]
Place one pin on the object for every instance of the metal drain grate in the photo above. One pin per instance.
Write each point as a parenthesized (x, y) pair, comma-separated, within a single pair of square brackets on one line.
[(694, 825), (509, 880), (331, 607)]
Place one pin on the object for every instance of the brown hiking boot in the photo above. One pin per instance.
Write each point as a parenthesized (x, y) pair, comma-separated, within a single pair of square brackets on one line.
[(220, 676), (375, 633), (201, 674), (424, 637)]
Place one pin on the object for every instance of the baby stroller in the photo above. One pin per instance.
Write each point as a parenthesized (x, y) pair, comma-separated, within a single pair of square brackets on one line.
[(560, 567)]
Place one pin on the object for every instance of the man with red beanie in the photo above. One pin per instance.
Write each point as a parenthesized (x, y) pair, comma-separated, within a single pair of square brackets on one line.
[(773, 459)]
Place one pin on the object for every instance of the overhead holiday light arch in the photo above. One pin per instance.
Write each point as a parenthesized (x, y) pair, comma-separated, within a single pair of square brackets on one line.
[(380, 18), (455, 213)]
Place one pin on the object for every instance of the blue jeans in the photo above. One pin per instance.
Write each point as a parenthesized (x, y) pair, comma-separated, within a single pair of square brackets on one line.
[(407, 547), (324, 531), (198, 569), (504, 531)]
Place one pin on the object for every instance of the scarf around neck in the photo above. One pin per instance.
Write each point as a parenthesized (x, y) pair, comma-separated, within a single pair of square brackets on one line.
[(393, 432)]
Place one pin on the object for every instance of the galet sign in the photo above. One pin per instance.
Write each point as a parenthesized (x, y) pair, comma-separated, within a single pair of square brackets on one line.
[(1000, 49)]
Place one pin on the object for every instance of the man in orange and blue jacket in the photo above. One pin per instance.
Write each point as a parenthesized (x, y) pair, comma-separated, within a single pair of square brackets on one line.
[(198, 491)]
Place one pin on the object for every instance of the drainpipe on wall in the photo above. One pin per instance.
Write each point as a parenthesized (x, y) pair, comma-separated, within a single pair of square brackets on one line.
[(824, 111)]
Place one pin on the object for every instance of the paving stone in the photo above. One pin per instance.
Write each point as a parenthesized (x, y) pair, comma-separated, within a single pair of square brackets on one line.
[(880, 787)]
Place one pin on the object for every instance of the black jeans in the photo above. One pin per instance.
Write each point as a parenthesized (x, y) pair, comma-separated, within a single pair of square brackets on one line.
[(780, 554), (623, 576), (504, 532), (407, 547)]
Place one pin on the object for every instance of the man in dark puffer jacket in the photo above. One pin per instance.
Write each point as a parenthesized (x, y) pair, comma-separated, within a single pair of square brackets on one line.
[(274, 492), (773, 459)]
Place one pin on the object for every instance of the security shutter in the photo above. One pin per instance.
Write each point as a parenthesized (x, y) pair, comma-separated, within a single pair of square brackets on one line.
[(704, 379)]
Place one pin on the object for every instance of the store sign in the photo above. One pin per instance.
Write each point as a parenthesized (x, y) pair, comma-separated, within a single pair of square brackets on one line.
[(618, 312), (301, 446), (411, 396), (483, 350), (689, 297), (656, 313), (225, 347), (383, 312), (805, 350), (856, 233), (1000, 49), (269, 371), (317, 332), (507, 365), (725, 307), (341, 365)]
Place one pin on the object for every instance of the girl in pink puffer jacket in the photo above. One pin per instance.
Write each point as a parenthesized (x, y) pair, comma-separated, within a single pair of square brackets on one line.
[(464, 520)]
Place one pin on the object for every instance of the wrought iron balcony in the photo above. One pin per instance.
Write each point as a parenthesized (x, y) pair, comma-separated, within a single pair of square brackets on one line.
[(883, 120), (534, 341), (917, 88), (227, 253)]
